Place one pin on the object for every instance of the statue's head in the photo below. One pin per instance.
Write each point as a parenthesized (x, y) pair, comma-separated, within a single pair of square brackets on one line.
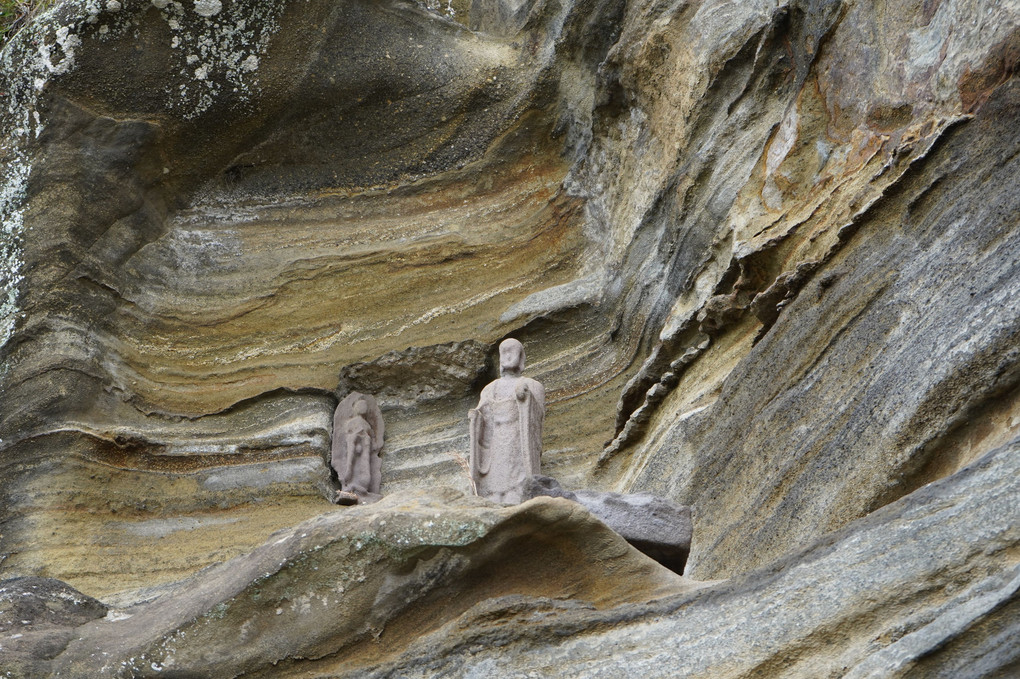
[(360, 407), (511, 357)]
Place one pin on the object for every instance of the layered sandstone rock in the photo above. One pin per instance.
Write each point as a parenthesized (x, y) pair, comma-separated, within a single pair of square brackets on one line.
[(364, 583), (206, 255), (762, 254)]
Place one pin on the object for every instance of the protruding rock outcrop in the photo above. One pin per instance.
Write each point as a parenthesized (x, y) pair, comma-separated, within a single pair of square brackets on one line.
[(356, 586), (38, 617), (657, 527)]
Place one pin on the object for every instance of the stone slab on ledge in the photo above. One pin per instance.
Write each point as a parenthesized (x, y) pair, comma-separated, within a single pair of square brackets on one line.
[(657, 527)]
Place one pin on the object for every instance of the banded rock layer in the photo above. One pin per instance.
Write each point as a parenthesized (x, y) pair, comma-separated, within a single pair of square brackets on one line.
[(762, 256), (208, 272)]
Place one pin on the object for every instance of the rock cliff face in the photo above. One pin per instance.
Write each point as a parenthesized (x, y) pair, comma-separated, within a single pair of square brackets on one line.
[(763, 255)]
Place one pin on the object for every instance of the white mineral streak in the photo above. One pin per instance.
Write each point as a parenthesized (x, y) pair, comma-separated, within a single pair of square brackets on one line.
[(437, 7), (63, 57), (587, 290), (780, 147)]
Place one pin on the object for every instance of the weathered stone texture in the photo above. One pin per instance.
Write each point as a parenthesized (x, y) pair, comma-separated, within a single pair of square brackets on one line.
[(763, 255), (364, 582), (926, 586), (201, 273), (657, 527), (38, 617), (910, 333)]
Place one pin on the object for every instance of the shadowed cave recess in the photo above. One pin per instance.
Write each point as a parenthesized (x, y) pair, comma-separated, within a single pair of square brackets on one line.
[(764, 257)]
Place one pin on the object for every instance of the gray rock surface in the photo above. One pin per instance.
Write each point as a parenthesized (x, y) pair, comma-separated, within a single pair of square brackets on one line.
[(923, 587), (655, 526), (763, 255), (459, 587), (38, 617), (893, 368), (354, 586)]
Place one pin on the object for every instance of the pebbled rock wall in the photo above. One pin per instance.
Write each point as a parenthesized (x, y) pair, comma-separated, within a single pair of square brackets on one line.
[(763, 256)]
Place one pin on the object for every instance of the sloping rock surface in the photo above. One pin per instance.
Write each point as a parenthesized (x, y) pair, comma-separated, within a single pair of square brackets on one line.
[(763, 256), (895, 367), (928, 586), (925, 587), (351, 588)]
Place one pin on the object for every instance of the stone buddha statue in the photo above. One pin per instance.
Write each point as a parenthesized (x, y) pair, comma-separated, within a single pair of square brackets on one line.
[(506, 429), (357, 445)]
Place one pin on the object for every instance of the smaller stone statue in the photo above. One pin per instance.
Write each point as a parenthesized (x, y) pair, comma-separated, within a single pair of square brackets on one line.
[(357, 445), (506, 429)]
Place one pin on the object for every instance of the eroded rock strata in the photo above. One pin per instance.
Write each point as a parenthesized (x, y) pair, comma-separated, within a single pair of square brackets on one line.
[(763, 256), (344, 584)]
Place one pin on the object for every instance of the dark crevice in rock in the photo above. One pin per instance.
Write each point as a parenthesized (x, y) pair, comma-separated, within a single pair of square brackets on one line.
[(656, 527)]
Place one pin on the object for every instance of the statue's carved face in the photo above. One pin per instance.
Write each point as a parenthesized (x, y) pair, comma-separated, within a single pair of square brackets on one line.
[(511, 356), (360, 407)]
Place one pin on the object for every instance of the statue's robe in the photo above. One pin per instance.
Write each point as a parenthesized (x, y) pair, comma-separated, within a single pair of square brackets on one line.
[(506, 441), (357, 476)]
